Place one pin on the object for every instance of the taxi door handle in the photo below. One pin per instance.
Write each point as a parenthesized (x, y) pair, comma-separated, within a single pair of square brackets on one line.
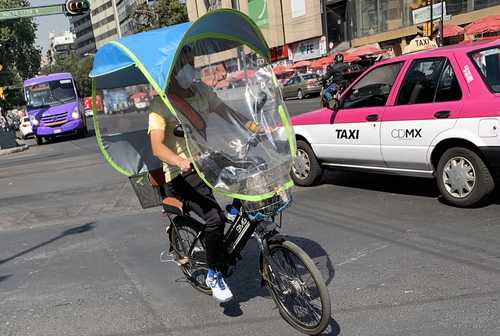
[(372, 117), (442, 114)]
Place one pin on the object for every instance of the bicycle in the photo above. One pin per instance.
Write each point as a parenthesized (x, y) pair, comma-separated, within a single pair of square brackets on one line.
[(284, 266)]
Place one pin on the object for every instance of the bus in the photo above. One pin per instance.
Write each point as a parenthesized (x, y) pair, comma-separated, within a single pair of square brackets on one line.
[(53, 106)]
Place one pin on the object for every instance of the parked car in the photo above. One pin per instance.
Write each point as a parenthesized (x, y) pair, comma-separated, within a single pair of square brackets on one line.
[(433, 114), (302, 85), (25, 127)]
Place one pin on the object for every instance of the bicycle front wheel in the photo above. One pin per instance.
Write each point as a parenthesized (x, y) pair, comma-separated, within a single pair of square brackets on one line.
[(297, 287)]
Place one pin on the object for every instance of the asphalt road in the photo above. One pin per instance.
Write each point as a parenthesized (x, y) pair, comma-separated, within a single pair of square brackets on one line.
[(79, 256)]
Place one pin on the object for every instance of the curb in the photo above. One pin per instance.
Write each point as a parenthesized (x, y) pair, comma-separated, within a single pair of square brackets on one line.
[(13, 150)]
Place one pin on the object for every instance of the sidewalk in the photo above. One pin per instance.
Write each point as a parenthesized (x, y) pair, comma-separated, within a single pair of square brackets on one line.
[(12, 150)]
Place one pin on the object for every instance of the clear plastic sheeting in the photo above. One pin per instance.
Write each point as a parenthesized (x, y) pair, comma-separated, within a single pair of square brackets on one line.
[(233, 117), (213, 79), (122, 128)]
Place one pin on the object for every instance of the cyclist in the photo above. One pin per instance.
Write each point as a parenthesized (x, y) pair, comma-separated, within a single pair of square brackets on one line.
[(194, 99)]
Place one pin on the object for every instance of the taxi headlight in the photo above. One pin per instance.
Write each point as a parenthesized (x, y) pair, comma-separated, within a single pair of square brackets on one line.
[(35, 122)]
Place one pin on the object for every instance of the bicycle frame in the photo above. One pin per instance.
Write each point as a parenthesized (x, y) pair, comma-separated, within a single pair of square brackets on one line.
[(236, 237)]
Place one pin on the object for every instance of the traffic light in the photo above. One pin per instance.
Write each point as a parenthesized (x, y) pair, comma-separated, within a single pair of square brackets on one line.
[(427, 29), (76, 7), (2, 96)]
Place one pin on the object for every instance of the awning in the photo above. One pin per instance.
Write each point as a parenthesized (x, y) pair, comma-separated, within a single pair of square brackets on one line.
[(280, 69), (301, 64), (488, 24), (450, 30)]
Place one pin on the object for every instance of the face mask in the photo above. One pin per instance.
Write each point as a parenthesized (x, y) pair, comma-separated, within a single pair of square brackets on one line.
[(185, 76)]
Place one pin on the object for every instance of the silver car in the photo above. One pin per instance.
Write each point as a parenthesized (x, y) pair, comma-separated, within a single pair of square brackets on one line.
[(302, 85)]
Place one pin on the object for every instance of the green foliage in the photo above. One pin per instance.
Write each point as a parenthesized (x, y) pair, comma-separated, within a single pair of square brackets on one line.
[(18, 54), (79, 69), (163, 13), (170, 12)]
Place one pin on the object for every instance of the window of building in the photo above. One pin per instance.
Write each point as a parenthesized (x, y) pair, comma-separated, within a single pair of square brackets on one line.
[(106, 35), (374, 88), (102, 8), (104, 21)]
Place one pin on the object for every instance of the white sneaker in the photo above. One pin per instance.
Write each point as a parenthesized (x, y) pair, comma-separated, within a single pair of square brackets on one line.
[(220, 290)]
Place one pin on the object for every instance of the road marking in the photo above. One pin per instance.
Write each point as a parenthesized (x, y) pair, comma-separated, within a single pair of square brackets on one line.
[(361, 254)]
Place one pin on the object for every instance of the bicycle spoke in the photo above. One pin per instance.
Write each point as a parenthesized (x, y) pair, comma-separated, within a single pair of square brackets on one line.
[(295, 288)]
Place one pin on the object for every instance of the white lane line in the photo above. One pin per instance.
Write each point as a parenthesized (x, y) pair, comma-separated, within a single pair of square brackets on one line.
[(361, 254)]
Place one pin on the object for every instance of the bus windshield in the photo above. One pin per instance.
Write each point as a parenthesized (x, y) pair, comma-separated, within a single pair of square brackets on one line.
[(52, 93)]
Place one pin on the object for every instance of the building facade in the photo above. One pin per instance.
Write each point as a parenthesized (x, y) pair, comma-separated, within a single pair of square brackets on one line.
[(306, 29), (111, 19), (293, 28), (393, 23), (81, 26), (61, 44)]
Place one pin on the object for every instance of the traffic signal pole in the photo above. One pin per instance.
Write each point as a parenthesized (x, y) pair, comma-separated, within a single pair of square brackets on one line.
[(69, 8), (24, 12)]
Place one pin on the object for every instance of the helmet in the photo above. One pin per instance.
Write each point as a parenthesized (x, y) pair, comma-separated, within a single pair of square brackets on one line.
[(339, 58)]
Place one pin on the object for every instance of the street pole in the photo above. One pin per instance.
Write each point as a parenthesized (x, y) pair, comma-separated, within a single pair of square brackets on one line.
[(117, 19), (325, 21), (442, 23), (432, 17)]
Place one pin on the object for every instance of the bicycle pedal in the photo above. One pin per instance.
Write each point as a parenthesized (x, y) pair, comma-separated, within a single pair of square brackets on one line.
[(166, 257)]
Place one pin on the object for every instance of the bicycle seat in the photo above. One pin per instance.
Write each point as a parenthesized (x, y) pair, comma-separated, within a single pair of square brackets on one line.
[(170, 204)]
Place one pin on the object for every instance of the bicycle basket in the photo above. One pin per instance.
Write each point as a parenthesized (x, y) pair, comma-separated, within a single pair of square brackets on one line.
[(148, 195), (266, 209)]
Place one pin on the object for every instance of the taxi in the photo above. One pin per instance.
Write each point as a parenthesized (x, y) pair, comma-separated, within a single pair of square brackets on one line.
[(432, 114)]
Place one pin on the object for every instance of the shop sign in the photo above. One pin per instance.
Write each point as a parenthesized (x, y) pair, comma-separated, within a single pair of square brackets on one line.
[(306, 50), (423, 14), (257, 10)]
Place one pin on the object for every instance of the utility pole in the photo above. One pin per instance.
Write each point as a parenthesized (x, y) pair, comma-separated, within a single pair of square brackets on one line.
[(117, 19), (283, 22), (441, 43), (432, 16)]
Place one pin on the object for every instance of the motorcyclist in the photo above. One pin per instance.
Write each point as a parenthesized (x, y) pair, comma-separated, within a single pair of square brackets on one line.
[(335, 72)]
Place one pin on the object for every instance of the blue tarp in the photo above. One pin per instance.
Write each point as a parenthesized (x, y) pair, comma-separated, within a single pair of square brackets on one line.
[(156, 49)]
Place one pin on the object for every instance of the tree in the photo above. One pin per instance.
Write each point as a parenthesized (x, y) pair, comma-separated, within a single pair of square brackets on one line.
[(163, 13), (170, 12), (78, 67), (18, 54)]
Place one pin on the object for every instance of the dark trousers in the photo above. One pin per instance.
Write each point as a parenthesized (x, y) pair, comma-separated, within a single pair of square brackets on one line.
[(198, 197)]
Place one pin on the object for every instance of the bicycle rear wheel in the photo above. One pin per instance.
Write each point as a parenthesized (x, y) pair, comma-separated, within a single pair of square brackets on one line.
[(298, 288), (190, 252)]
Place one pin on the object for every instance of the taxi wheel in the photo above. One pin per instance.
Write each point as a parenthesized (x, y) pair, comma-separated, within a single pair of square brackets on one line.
[(39, 140), (463, 178), (306, 170)]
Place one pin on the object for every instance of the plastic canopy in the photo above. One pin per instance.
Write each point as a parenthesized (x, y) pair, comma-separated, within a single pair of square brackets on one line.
[(152, 58)]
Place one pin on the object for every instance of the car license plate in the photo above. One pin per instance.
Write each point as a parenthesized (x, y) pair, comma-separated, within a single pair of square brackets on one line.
[(57, 131)]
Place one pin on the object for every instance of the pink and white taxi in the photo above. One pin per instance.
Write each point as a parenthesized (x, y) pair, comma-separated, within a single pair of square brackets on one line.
[(431, 114)]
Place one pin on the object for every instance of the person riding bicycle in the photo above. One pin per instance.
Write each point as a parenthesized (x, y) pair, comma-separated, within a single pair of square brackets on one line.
[(194, 99)]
